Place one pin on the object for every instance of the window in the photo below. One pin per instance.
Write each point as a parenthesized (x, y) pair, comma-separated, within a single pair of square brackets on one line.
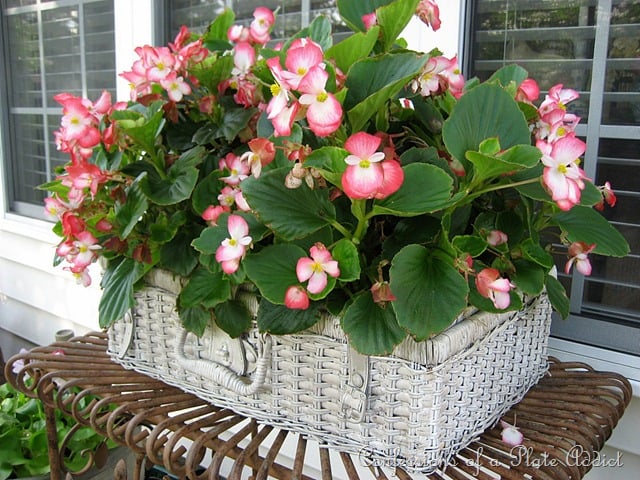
[(48, 47), (594, 47), (291, 15)]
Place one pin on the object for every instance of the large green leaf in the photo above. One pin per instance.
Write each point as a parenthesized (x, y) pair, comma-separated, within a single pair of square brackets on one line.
[(280, 320), (353, 48), (273, 270), (584, 224), (291, 213), (178, 255), (205, 288), (393, 18), (129, 214), (426, 188), (516, 158), (508, 74), (528, 277), (195, 319), (142, 124), (117, 289), (486, 111), (233, 317), (557, 295), (372, 329), (373, 81), (352, 11), (430, 291)]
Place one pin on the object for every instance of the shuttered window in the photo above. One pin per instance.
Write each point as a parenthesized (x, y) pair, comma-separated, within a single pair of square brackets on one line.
[(291, 14), (48, 47), (592, 46)]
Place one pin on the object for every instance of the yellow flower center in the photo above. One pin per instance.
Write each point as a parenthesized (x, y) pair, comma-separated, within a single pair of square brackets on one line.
[(232, 242), (275, 89), (317, 268), (322, 97), (562, 169), (301, 70), (365, 163)]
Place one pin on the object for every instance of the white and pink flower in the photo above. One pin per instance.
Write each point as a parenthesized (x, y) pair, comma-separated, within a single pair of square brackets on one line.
[(316, 268), (490, 285), (578, 256), (234, 248)]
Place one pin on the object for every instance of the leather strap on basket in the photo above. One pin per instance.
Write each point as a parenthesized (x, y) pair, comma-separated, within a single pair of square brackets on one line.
[(222, 375)]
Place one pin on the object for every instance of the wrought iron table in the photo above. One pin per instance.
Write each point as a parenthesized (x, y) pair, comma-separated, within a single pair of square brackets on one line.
[(565, 419)]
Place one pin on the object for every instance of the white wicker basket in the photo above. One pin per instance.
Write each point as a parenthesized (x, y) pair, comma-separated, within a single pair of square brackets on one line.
[(416, 408)]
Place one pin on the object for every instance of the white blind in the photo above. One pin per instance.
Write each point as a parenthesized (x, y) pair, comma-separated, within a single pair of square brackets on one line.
[(61, 46)]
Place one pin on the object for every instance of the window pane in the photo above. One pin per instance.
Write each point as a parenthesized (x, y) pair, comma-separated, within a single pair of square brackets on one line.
[(24, 58), (553, 40), (75, 54)]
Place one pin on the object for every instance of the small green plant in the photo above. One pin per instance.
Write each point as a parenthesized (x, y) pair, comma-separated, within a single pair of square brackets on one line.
[(23, 437)]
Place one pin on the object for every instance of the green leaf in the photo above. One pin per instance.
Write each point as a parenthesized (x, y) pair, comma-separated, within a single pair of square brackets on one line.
[(373, 81), (180, 181), (273, 270), (516, 158), (584, 224), (346, 253), (220, 26), (508, 74), (128, 215), (330, 162), (177, 255), (485, 111), (557, 296), (146, 127), (353, 48), (291, 213), (117, 289), (372, 330), (430, 292), (534, 252), (528, 277), (233, 317), (280, 320), (235, 120), (206, 192), (214, 70), (426, 188), (471, 244), (352, 11), (195, 319), (205, 288), (393, 18)]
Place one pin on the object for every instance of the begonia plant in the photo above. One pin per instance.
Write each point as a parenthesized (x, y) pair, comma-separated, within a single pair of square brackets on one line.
[(359, 178)]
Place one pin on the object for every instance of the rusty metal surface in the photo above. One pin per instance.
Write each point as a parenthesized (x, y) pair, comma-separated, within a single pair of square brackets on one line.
[(565, 419)]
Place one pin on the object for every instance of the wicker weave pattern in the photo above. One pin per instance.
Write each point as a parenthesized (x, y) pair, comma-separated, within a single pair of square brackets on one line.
[(416, 412)]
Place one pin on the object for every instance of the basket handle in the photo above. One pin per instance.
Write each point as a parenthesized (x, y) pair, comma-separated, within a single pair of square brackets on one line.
[(224, 376)]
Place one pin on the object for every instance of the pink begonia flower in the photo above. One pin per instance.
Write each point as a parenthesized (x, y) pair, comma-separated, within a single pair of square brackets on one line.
[(364, 175), (511, 435), (233, 248), (438, 75), (212, 213), (608, 196), (578, 256), (316, 268), (561, 175), (158, 61), (241, 202), (302, 56), (369, 20), (283, 121), (324, 112), (528, 91), (490, 285), (85, 175), (261, 153), (227, 197), (296, 298), (81, 275), (238, 169), (260, 27), (557, 97), (175, 86), (497, 237), (244, 57), (54, 207), (238, 33), (279, 90), (78, 124), (393, 177), (429, 13)]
